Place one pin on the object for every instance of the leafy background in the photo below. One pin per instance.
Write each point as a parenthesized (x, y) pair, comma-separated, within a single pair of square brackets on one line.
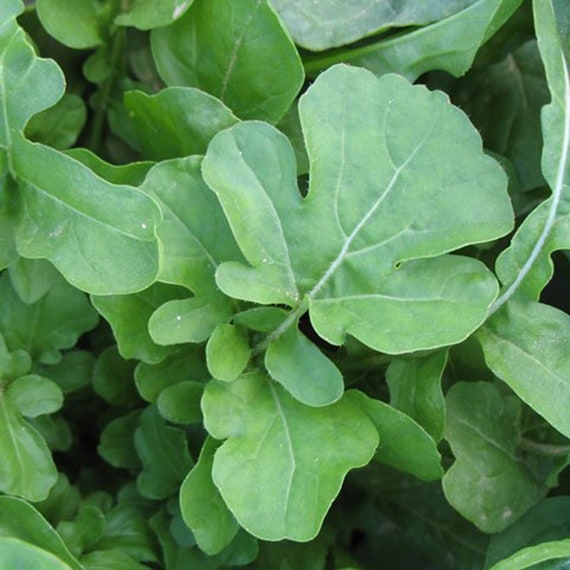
[(284, 284)]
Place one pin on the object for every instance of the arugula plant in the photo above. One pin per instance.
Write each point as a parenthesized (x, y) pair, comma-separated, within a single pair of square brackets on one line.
[(278, 284)]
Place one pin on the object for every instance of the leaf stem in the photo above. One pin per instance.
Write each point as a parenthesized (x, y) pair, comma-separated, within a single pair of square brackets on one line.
[(556, 198), (95, 139)]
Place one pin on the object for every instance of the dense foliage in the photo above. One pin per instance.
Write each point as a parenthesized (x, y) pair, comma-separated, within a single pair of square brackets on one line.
[(283, 284)]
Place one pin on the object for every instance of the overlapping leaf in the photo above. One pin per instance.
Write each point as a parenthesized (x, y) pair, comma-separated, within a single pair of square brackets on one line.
[(67, 214), (363, 251), (282, 463)]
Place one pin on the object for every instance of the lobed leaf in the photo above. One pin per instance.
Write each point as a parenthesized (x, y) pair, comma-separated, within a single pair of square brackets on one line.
[(229, 50), (353, 250), (489, 483), (282, 463)]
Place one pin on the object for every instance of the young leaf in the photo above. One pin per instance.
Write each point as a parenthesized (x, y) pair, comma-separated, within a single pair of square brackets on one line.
[(48, 326), (83, 532), (489, 484), (536, 365), (229, 50), (449, 44), (177, 121), (403, 443), (533, 555), (34, 396), (19, 520), (303, 370), (32, 278), (163, 451), (355, 251), (227, 352), (415, 389), (27, 469), (180, 403), (202, 506), (105, 559), (149, 14), (113, 378), (282, 463), (326, 24), (117, 445)]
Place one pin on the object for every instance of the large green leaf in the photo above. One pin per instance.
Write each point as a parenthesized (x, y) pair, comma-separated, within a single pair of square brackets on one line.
[(534, 364), (66, 213), (530, 557), (364, 250), (176, 122), (330, 23), (230, 49), (282, 463), (489, 483), (15, 553), (449, 44), (20, 520)]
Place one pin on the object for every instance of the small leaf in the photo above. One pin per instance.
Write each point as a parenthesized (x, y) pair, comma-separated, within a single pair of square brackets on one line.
[(34, 396), (27, 469), (279, 453), (536, 365), (117, 444), (489, 483), (303, 370), (529, 557), (403, 443), (113, 378), (176, 121), (180, 403), (13, 364), (129, 316), (105, 559), (32, 278), (84, 531), (48, 326), (20, 520), (149, 14), (73, 372), (415, 389), (163, 451), (202, 506), (227, 352), (230, 50)]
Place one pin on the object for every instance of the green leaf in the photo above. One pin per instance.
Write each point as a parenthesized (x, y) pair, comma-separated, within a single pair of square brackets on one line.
[(415, 389), (73, 372), (34, 396), (528, 557), (229, 50), (325, 24), (489, 483), (32, 278), (129, 316), (113, 378), (227, 352), (180, 403), (105, 559), (503, 101), (354, 250), (27, 469), (19, 520), (180, 366), (535, 365), (15, 553), (76, 24), (303, 370), (13, 364), (148, 14), (202, 506), (50, 325), (117, 445), (163, 451), (449, 44), (525, 267), (85, 530), (177, 121), (403, 443), (279, 453), (60, 125), (546, 522)]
